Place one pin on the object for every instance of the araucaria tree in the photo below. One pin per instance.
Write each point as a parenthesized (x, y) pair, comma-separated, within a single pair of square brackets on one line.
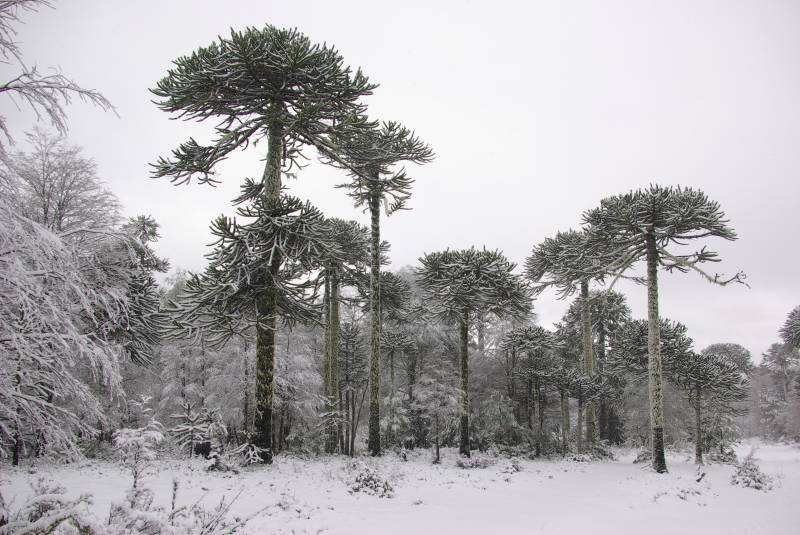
[(645, 225), (790, 332), (713, 385), (462, 285), (371, 153), (260, 83), (568, 263)]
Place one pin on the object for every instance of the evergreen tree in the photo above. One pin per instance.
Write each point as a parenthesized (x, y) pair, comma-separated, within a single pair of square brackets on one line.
[(344, 265), (568, 263), (790, 332), (260, 83), (540, 364), (713, 384), (463, 284), (371, 153), (645, 224)]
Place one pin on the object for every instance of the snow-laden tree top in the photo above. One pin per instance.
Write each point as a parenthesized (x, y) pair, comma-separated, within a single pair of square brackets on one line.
[(564, 261), (670, 215), (370, 153), (790, 332), (473, 281), (251, 81)]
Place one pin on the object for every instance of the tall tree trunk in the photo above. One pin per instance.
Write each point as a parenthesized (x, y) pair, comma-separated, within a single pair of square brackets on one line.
[(602, 417), (374, 441), (579, 425), (530, 406), (654, 367), (588, 359), (539, 404), (390, 438), (412, 375), (246, 393), (267, 307), (463, 446), (436, 440), (335, 327), (564, 420), (326, 357), (698, 427)]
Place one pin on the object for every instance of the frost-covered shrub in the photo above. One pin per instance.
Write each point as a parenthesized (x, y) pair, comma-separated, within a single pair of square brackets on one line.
[(137, 448), (248, 453), (49, 511), (748, 474), (644, 456), (476, 461), (723, 456), (512, 467), (579, 458), (138, 516), (369, 481)]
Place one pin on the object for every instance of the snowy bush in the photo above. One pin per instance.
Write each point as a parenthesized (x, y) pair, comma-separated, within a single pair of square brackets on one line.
[(137, 448), (644, 456), (512, 467), (723, 456), (476, 461), (49, 511), (579, 458), (748, 474), (369, 481), (248, 453)]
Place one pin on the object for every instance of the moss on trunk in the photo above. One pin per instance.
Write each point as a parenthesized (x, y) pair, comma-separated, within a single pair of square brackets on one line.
[(374, 441), (654, 366)]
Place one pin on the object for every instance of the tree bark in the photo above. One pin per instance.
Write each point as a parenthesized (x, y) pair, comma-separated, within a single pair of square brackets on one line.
[(603, 409), (463, 446), (266, 307), (374, 441), (654, 366), (698, 428), (564, 421), (539, 404), (579, 425), (588, 359)]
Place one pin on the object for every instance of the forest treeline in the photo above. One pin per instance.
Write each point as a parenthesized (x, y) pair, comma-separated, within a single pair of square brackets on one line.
[(296, 336)]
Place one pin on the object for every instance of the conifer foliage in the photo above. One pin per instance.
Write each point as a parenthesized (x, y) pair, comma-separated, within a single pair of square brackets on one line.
[(463, 284), (647, 224), (260, 83)]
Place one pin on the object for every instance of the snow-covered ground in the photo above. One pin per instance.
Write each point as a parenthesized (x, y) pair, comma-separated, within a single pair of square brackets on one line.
[(311, 495)]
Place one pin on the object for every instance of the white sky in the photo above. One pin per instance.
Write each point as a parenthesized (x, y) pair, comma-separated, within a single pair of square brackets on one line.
[(536, 111)]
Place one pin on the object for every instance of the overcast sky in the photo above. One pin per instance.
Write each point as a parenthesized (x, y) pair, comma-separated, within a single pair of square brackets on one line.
[(536, 111)]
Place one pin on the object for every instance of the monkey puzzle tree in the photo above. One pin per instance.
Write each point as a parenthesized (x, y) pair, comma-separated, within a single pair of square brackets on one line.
[(790, 332), (370, 153), (568, 263), (344, 262), (259, 83), (608, 311), (713, 384), (463, 284), (645, 225), (540, 363)]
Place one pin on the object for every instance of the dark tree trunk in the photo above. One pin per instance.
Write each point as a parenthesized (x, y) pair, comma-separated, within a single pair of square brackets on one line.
[(698, 428), (540, 405), (267, 307), (374, 441), (602, 417), (654, 366), (588, 359), (463, 446), (579, 425), (564, 421)]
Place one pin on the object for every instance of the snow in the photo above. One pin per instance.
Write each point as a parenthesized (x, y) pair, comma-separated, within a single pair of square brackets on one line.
[(310, 494)]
